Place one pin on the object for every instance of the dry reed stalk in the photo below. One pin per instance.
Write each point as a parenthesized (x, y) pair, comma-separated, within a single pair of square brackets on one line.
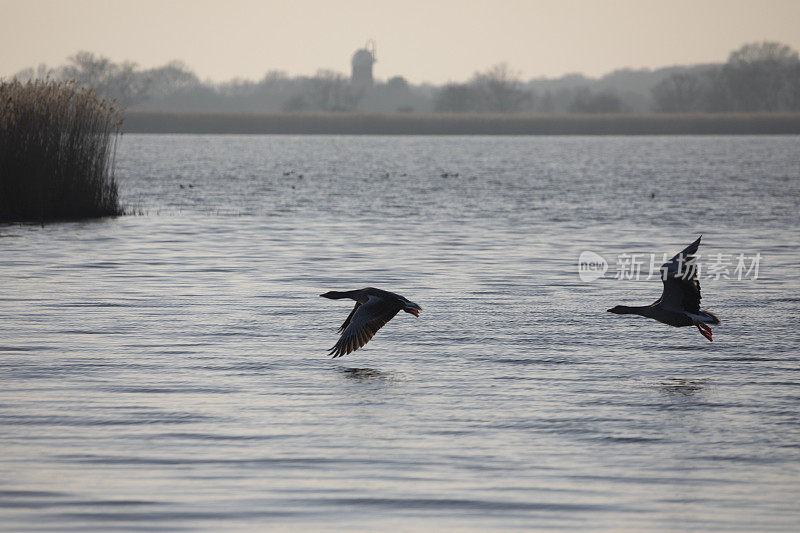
[(57, 147)]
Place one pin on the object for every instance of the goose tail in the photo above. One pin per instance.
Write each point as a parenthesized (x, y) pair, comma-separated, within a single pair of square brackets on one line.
[(710, 318)]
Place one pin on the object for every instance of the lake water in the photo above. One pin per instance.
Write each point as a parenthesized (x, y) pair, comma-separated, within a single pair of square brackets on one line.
[(168, 371)]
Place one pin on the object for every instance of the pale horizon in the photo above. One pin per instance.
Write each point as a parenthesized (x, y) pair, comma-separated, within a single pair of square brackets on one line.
[(433, 43)]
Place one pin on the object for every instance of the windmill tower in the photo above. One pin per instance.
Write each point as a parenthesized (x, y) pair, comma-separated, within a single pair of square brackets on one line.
[(362, 63)]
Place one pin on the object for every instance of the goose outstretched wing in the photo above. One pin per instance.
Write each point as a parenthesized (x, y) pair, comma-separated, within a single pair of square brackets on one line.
[(681, 287), (364, 321), (349, 318)]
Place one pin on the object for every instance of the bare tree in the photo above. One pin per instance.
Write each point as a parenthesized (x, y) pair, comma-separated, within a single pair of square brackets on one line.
[(792, 95), (327, 91), (110, 80), (41, 72), (496, 89), (769, 51), (500, 90), (758, 76), (455, 98), (680, 92), (173, 77)]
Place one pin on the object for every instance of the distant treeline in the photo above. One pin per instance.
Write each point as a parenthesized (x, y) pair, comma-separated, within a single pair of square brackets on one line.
[(462, 123), (758, 77)]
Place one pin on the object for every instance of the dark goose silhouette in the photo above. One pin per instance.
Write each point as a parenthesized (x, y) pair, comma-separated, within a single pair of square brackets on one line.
[(679, 304), (373, 309)]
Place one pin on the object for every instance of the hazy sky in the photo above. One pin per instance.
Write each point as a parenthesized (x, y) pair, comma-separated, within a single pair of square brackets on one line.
[(423, 40)]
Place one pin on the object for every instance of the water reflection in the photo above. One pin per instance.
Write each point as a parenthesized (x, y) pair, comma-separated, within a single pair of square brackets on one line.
[(682, 386), (179, 358), (365, 373)]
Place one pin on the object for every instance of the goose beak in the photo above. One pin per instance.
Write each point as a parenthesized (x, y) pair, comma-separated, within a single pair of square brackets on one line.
[(413, 311)]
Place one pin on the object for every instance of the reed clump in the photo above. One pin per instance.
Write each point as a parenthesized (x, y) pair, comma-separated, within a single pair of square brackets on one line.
[(57, 148)]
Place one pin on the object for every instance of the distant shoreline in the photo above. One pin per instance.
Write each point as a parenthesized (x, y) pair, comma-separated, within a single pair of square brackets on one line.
[(461, 124)]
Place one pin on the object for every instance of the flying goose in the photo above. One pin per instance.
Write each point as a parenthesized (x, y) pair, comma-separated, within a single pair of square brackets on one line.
[(373, 309), (679, 304)]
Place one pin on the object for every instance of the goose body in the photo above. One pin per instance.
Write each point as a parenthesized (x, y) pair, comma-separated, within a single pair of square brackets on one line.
[(373, 309), (679, 304)]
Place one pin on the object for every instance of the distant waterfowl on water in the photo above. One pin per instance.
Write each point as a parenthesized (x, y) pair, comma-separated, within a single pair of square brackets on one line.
[(373, 309), (679, 304)]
